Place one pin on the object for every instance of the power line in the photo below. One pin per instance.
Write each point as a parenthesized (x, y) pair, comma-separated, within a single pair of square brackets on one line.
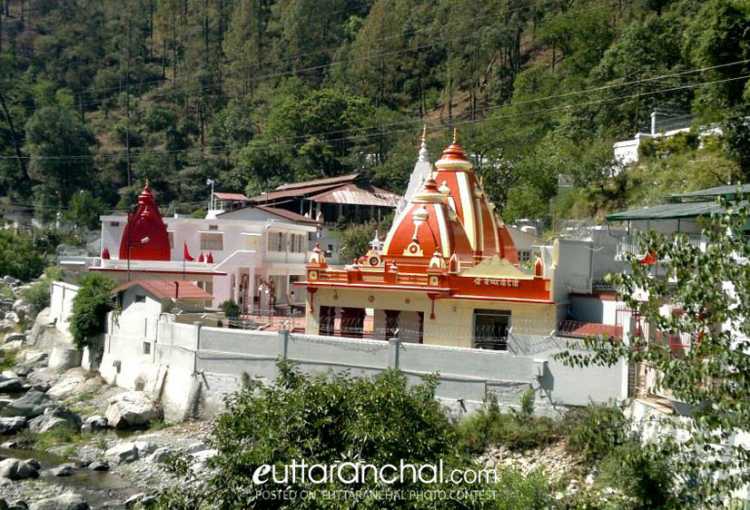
[(280, 141)]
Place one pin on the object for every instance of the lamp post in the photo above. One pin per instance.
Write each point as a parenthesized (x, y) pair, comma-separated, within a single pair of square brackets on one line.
[(211, 182)]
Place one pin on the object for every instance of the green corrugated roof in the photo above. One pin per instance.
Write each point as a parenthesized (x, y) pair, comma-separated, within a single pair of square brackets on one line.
[(667, 211), (709, 193)]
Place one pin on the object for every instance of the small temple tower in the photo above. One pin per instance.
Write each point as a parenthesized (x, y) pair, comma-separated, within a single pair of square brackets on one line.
[(145, 236)]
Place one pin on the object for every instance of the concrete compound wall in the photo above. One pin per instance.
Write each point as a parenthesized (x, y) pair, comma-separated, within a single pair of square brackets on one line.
[(190, 368), (61, 304)]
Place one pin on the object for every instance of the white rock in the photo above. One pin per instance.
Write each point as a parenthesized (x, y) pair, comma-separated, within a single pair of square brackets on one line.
[(7, 325), (122, 453), (14, 469), (12, 317), (13, 337), (161, 455), (66, 501), (131, 409), (68, 384), (12, 425), (11, 346), (63, 357)]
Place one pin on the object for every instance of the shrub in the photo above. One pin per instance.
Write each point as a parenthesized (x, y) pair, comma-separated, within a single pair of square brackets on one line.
[(527, 402), (640, 474), (37, 296), (90, 308), (593, 431), (18, 257), (517, 431), (329, 418), (230, 309)]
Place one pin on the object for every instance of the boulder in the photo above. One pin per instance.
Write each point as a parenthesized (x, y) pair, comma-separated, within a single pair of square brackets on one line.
[(68, 384), (9, 445), (122, 453), (13, 337), (4, 403), (63, 470), (12, 317), (12, 425), (35, 359), (94, 423), (66, 501), (30, 405), (11, 385), (99, 465), (7, 325), (14, 469), (131, 409), (15, 345), (64, 357), (11, 281), (161, 455), (8, 374), (55, 418)]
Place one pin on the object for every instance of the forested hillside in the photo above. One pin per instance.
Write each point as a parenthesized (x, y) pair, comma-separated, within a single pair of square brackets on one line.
[(98, 95)]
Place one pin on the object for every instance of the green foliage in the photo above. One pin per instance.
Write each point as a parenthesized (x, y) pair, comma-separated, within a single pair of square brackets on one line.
[(527, 403), (230, 309), (19, 257), (515, 430), (327, 419), (7, 360), (643, 475), (593, 431), (38, 296), (90, 308), (712, 370), (84, 210), (355, 241)]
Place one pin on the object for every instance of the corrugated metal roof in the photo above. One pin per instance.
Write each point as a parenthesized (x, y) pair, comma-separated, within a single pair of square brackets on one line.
[(239, 197), (272, 196), (287, 215), (667, 211), (317, 182), (354, 195), (729, 190)]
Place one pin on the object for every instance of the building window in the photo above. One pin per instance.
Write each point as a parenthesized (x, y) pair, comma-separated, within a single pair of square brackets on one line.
[(140, 298), (146, 347), (276, 241), (213, 227), (524, 255), (491, 329), (212, 242), (114, 223), (298, 243)]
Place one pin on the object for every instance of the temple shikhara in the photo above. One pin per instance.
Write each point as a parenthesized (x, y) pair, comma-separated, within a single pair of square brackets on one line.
[(447, 273)]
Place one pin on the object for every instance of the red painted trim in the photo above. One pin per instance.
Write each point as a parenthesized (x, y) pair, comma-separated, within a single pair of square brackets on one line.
[(118, 270), (363, 286)]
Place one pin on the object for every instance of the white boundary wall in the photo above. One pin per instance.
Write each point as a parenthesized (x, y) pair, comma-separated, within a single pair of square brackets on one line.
[(190, 367), (61, 304)]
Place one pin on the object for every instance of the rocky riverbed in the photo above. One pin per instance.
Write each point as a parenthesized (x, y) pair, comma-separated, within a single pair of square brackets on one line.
[(68, 440)]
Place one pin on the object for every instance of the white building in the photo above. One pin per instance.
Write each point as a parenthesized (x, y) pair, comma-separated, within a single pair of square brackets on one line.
[(252, 257)]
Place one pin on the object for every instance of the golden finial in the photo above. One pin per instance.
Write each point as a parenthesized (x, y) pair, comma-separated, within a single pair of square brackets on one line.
[(147, 182), (455, 135), (424, 133)]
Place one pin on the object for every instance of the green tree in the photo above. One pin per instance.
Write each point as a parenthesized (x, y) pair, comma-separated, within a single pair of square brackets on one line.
[(84, 210), (18, 256), (60, 149), (710, 286), (329, 419), (355, 240), (90, 308)]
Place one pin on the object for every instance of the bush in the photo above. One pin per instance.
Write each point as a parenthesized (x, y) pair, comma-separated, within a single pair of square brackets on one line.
[(640, 474), (593, 431), (326, 419), (18, 257), (37, 296), (90, 308), (516, 431), (230, 309)]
